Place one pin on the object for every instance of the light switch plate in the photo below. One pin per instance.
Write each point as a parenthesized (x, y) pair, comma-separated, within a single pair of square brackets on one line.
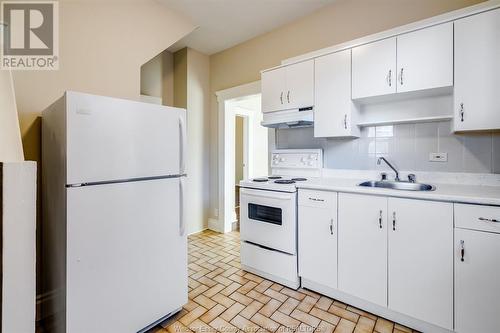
[(438, 157)]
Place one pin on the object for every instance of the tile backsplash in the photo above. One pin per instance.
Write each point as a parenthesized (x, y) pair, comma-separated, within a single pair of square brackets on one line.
[(407, 146)]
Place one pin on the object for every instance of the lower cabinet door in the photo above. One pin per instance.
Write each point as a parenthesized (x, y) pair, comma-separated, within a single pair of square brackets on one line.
[(477, 284), (363, 247), (421, 260), (318, 237)]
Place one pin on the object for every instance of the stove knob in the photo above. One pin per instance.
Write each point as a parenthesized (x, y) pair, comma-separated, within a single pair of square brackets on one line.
[(303, 159), (282, 159), (310, 163), (276, 156), (312, 157)]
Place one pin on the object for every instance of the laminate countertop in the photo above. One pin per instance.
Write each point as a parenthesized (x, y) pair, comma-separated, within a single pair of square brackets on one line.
[(472, 194)]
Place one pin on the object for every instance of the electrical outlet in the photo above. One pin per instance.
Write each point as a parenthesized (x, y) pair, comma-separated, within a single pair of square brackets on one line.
[(438, 157)]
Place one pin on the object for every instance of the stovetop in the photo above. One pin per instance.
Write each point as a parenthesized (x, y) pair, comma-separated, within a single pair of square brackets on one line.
[(288, 167), (274, 183)]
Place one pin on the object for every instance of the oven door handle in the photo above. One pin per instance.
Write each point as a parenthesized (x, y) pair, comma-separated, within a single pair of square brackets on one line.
[(269, 196)]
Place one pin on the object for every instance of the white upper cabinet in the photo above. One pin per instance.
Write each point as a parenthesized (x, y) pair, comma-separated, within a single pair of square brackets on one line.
[(477, 72), (425, 59), (374, 69), (420, 260), (289, 87), (300, 85), (335, 114), (317, 213), (273, 90), (415, 61), (362, 256)]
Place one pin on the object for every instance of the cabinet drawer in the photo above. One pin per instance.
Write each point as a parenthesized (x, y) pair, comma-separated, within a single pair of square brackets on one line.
[(320, 199), (476, 217)]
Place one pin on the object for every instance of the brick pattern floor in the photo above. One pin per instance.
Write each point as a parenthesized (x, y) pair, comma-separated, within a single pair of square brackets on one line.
[(223, 298)]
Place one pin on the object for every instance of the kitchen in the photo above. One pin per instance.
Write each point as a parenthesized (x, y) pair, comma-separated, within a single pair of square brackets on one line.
[(398, 118)]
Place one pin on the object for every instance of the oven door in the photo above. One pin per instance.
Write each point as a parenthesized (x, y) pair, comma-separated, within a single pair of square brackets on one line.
[(269, 219)]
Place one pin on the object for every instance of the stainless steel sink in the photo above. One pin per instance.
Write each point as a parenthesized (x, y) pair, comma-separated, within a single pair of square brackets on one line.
[(405, 186)]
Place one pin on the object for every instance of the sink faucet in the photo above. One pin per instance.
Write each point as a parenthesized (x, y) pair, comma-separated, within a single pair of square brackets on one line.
[(380, 159)]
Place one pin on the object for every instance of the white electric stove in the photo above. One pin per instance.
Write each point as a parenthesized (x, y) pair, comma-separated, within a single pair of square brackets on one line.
[(268, 226)]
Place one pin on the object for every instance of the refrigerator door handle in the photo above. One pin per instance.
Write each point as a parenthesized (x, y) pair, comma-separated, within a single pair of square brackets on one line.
[(182, 224), (183, 142)]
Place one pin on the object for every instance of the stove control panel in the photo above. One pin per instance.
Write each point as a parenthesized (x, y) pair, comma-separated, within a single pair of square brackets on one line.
[(297, 159)]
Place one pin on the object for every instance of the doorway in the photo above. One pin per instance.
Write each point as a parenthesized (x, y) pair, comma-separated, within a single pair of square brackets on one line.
[(243, 148)]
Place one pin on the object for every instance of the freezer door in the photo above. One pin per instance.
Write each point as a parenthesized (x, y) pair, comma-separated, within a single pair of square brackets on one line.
[(116, 139), (126, 255)]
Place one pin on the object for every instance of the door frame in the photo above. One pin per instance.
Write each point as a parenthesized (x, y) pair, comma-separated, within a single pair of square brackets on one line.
[(226, 205)]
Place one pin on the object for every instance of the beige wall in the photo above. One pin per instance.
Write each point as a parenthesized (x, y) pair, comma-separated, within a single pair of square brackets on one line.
[(11, 149), (192, 91), (342, 21), (238, 149), (102, 47), (152, 77), (167, 73)]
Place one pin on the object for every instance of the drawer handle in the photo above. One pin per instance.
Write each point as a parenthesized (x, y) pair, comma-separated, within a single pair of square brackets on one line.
[(316, 199), (489, 220)]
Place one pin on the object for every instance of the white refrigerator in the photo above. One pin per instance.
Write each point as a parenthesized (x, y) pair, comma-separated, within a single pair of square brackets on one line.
[(114, 243)]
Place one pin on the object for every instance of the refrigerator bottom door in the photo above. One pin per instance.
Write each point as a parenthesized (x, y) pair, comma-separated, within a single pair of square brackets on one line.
[(126, 255)]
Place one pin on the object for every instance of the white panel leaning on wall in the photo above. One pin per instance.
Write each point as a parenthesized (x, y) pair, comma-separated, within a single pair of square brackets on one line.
[(18, 246)]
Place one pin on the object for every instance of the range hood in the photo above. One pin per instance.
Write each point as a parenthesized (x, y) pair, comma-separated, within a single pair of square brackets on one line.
[(289, 118)]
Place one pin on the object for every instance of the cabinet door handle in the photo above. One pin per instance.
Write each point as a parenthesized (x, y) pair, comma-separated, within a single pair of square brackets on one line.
[(484, 219), (281, 98), (394, 221), (380, 219), (462, 250), (345, 121), (401, 76), (462, 112), (389, 78), (331, 226), (288, 96), (316, 199)]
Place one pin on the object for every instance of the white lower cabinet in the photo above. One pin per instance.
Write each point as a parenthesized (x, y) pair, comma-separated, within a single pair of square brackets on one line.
[(477, 286), (432, 265), (318, 237), (362, 250), (420, 260)]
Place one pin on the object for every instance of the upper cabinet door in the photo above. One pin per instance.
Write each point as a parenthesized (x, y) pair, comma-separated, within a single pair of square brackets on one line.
[(421, 260), (334, 112), (374, 69), (477, 72), (273, 90), (425, 58), (299, 85)]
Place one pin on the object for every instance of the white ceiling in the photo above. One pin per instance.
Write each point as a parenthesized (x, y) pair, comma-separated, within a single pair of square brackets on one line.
[(225, 23)]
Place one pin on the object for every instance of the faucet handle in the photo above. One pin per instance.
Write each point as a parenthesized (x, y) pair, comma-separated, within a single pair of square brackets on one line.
[(383, 176), (412, 178)]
